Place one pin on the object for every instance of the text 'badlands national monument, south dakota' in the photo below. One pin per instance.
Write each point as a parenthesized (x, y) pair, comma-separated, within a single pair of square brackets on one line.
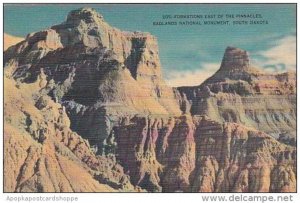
[(178, 98)]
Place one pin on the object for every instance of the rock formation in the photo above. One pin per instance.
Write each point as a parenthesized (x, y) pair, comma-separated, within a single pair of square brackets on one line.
[(85, 98), (42, 153), (241, 93)]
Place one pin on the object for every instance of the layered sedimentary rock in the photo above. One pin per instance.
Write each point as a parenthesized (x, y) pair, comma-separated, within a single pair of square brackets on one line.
[(96, 63), (201, 155), (85, 98), (241, 93), (235, 158)]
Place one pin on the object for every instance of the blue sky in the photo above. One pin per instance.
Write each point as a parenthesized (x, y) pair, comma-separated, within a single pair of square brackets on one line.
[(185, 51)]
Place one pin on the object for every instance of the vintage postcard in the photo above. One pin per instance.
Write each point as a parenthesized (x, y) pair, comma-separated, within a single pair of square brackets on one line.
[(150, 98)]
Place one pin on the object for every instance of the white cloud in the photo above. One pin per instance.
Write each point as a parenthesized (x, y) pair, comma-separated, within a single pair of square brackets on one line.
[(281, 56), (192, 78)]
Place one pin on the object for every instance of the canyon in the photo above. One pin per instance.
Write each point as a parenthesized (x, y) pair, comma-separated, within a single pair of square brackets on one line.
[(83, 97)]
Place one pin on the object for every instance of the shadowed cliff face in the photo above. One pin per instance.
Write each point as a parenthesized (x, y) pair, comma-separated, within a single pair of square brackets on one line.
[(84, 97), (95, 69)]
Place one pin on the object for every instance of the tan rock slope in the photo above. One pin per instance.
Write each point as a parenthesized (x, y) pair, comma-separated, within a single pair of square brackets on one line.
[(85, 98), (42, 154), (10, 40)]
